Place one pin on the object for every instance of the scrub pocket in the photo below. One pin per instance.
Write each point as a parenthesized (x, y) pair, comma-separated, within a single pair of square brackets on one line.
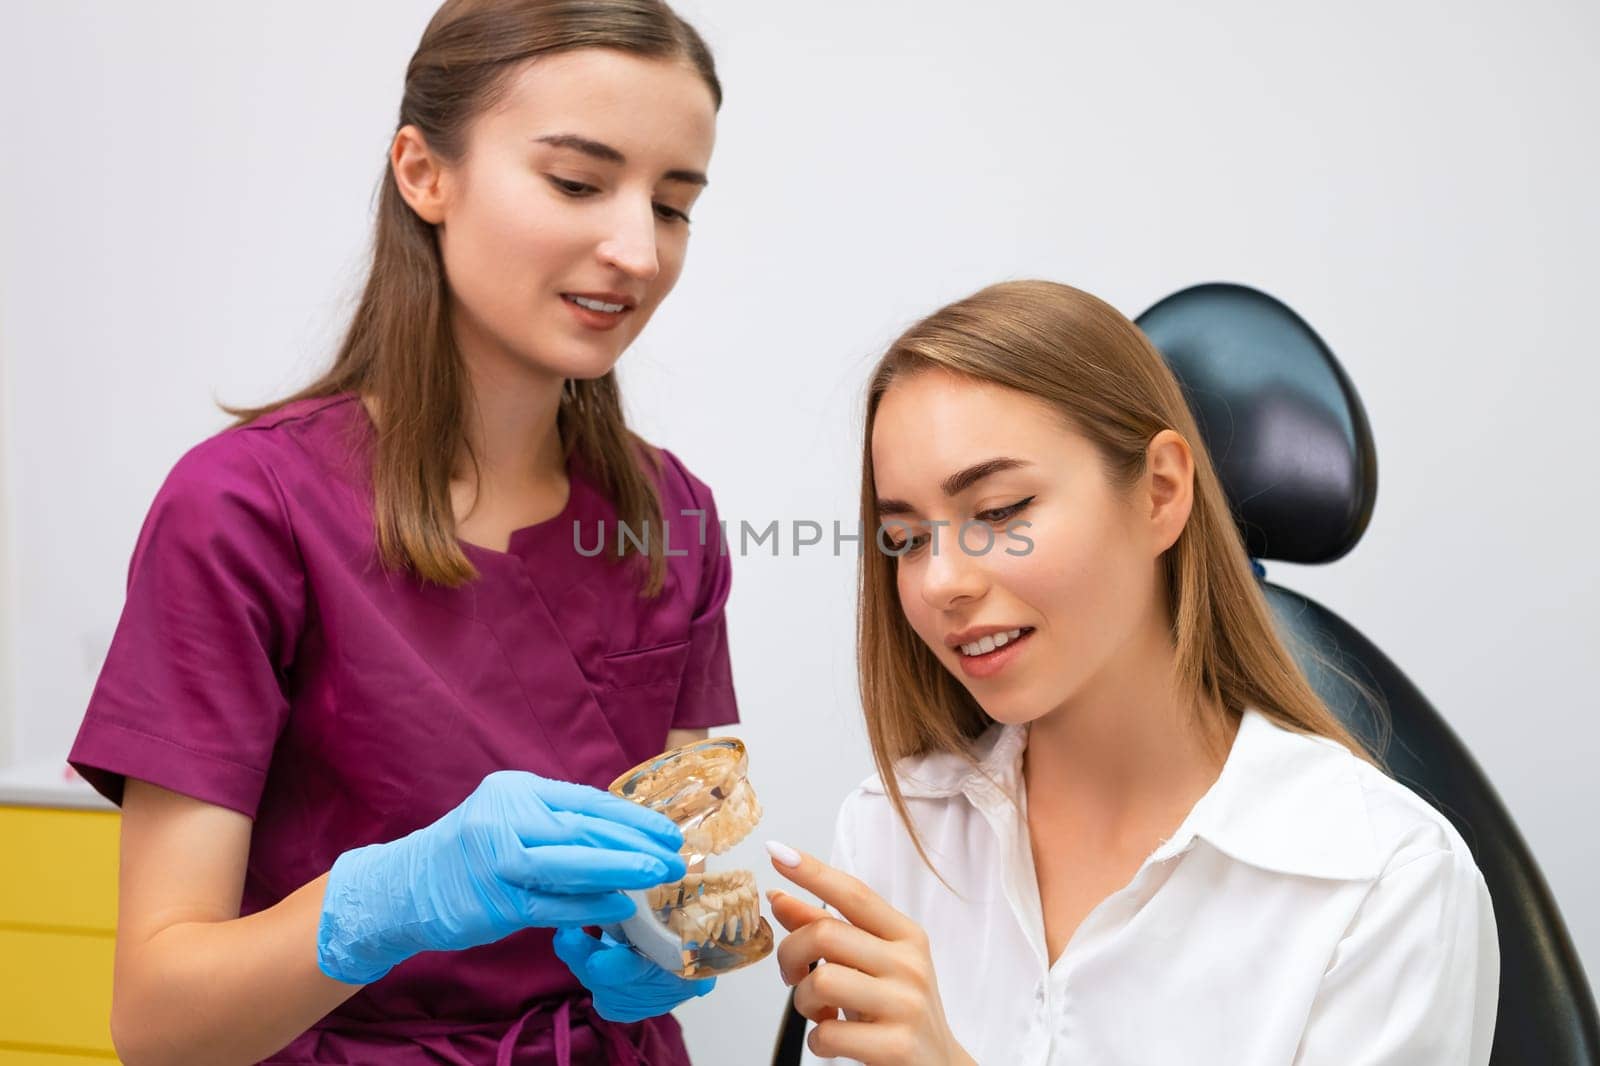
[(638, 691)]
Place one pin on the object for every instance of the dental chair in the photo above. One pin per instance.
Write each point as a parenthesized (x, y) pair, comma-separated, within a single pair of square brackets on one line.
[(1290, 440), (1292, 446)]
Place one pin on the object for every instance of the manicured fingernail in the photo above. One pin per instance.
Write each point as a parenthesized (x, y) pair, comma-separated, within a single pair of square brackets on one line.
[(783, 853), (773, 894)]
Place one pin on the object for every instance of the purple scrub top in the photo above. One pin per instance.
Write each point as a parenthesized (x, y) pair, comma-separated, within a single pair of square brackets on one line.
[(266, 663)]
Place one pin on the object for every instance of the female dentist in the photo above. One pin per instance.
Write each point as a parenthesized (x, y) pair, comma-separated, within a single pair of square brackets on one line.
[(364, 677)]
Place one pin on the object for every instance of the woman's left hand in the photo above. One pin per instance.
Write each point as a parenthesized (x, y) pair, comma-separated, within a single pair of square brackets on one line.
[(878, 970)]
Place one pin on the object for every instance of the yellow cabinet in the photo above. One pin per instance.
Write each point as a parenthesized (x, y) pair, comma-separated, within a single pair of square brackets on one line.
[(58, 915)]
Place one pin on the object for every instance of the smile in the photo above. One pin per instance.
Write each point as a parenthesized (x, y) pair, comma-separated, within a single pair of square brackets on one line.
[(595, 305), (991, 642)]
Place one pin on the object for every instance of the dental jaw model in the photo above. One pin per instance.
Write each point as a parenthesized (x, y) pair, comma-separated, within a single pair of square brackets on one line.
[(708, 923)]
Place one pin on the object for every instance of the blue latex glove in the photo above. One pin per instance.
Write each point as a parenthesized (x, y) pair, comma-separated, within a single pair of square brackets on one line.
[(520, 851), (626, 986)]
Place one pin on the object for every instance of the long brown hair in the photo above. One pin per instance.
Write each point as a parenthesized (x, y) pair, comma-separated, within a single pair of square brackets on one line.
[(1109, 383), (399, 349)]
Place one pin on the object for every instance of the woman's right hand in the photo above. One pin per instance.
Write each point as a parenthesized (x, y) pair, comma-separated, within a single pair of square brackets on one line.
[(872, 962), (520, 851)]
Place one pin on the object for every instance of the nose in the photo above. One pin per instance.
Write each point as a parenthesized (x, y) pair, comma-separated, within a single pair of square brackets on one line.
[(952, 577), (629, 244)]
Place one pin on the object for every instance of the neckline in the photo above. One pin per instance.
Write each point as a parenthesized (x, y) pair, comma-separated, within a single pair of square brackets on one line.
[(1178, 843), (517, 540), (576, 485)]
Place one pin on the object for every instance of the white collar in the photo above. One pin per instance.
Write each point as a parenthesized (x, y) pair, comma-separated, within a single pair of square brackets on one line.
[(1284, 801)]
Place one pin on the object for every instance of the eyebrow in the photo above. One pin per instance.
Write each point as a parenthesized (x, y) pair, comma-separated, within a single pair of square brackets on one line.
[(958, 482), (607, 154)]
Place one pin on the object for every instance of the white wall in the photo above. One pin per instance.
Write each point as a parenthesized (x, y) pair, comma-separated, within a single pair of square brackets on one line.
[(187, 195)]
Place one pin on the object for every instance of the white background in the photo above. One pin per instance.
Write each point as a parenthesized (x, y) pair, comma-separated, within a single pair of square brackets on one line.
[(186, 199)]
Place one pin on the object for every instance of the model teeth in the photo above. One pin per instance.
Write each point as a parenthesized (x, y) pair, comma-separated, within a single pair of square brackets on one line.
[(707, 923), (724, 827), (990, 643), (596, 305), (705, 908), (700, 787)]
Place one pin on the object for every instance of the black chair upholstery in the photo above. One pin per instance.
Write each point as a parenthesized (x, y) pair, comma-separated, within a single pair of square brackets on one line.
[(791, 1036), (1291, 442)]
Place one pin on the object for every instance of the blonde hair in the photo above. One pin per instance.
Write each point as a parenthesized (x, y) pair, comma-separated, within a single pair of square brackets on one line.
[(1109, 383)]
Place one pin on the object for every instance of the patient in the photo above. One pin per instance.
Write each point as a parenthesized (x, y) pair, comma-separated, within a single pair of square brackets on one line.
[(1112, 823)]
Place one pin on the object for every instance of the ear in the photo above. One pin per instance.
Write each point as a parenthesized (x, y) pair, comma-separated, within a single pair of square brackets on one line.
[(1169, 487), (421, 178)]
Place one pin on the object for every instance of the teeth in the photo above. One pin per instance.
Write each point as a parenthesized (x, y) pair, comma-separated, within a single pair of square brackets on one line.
[(990, 643), (701, 787), (707, 923), (596, 305), (725, 825), (705, 908)]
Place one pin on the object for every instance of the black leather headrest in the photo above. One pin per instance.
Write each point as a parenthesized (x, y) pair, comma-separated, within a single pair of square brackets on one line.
[(1284, 426)]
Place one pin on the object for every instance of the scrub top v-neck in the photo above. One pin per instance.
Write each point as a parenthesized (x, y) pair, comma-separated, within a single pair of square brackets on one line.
[(267, 663)]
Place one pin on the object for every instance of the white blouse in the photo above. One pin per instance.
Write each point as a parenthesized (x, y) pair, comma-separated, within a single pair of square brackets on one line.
[(1309, 910)]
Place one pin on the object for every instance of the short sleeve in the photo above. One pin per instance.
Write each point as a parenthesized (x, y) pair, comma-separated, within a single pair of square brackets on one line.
[(192, 693), (706, 696), (1416, 977)]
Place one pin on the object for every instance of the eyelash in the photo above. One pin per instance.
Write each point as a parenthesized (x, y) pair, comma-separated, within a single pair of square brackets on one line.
[(578, 190), (997, 514)]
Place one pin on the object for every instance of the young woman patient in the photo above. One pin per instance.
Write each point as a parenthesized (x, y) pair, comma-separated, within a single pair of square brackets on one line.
[(1113, 823)]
